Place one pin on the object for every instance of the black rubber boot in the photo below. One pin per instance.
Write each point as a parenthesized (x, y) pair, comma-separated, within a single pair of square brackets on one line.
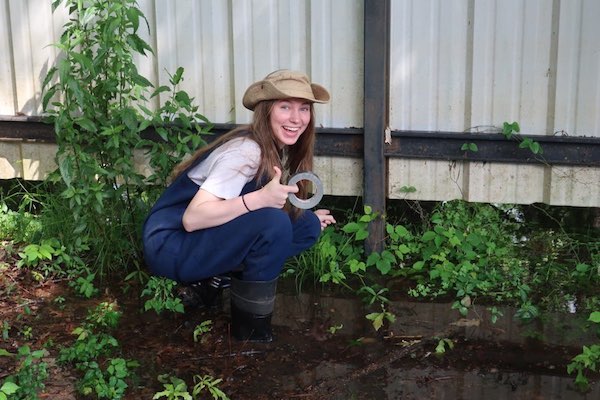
[(252, 304), (206, 293)]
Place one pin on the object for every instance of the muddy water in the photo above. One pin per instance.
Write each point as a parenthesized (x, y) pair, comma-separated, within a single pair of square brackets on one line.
[(506, 360)]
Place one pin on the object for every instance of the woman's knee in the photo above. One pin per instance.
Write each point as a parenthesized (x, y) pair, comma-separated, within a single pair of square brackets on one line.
[(274, 226)]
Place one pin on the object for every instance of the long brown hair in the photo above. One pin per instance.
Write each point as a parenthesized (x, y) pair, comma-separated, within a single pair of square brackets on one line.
[(299, 155)]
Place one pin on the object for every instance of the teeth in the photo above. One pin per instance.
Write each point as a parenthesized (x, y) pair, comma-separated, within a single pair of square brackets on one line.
[(287, 128)]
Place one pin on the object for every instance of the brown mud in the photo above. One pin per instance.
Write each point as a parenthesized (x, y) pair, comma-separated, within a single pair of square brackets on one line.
[(324, 348)]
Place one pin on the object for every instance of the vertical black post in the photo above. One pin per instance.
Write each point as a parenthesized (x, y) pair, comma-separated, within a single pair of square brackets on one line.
[(376, 42)]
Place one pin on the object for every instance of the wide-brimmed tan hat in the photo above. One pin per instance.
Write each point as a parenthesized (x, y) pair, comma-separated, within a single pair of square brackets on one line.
[(284, 84)]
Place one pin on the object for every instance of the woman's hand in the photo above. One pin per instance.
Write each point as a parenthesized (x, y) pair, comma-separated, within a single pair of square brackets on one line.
[(273, 194), (325, 218)]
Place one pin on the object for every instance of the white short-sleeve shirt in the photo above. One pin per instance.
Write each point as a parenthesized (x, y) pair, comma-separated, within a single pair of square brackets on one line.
[(228, 168)]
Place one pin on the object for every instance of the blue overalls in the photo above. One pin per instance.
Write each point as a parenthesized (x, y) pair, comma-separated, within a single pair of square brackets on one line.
[(258, 242)]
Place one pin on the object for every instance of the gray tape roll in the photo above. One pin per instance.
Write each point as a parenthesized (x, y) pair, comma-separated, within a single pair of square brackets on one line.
[(317, 187)]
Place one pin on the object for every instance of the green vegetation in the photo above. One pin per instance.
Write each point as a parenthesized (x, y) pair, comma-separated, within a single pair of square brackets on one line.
[(161, 293), (176, 388), (100, 107), (588, 360), (91, 355), (30, 375), (470, 253), (83, 224)]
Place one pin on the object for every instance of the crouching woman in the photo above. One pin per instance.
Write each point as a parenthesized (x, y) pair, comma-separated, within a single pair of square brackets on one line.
[(226, 210)]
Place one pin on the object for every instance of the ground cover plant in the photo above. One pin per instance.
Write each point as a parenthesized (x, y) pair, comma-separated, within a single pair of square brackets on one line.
[(71, 246)]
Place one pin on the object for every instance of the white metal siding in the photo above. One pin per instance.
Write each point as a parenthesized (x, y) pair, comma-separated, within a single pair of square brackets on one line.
[(463, 65), (455, 65)]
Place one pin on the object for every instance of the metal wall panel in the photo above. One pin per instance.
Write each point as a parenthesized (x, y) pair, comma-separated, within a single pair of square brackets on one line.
[(432, 180), (578, 69), (341, 176), (32, 31), (11, 165), (7, 94), (472, 65), (455, 65), (510, 66), (428, 56)]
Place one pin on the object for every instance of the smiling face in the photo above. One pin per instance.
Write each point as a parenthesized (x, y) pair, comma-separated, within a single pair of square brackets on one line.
[(289, 119)]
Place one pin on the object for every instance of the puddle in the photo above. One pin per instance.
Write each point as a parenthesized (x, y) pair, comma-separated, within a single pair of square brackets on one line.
[(506, 360)]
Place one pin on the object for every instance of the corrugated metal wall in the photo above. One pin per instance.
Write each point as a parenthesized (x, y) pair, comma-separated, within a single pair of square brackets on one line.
[(455, 65), (472, 65)]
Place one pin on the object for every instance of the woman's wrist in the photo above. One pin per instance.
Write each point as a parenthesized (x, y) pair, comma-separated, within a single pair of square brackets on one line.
[(245, 204), (252, 201)]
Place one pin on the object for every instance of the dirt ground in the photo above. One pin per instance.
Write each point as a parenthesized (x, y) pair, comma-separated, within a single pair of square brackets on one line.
[(306, 361)]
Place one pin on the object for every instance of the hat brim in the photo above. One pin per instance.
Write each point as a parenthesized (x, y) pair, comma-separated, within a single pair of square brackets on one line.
[(265, 90)]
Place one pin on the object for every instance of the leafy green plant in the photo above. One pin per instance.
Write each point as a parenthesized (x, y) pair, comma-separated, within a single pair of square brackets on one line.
[(443, 345), (104, 316), (162, 296), (91, 352), (210, 384), (201, 330), (334, 328), (588, 360), (467, 252), (52, 259), (509, 130), (469, 147), (100, 107), (379, 318), (34, 254), (30, 375), (95, 120), (18, 225), (8, 389), (175, 388), (27, 332), (109, 383), (179, 125)]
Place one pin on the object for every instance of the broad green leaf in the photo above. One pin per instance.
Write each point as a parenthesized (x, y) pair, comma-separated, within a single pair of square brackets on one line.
[(351, 227), (402, 231), (404, 249), (9, 388), (418, 266), (595, 317), (133, 15), (160, 90), (428, 236), (361, 235), (183, 97), (377, 319), (141, 81)]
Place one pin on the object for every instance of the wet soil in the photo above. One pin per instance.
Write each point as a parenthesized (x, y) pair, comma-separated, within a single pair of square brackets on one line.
[(306, 361)]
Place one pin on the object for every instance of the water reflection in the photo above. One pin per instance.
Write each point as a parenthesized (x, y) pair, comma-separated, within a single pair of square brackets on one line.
[(315, 315)]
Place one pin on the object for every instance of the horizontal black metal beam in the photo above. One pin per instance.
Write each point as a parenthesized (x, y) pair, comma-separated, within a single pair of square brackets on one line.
[(494, 147), (348, 142)]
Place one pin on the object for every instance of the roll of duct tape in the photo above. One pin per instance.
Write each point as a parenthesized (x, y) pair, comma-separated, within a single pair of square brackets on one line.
[(317, 187)]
